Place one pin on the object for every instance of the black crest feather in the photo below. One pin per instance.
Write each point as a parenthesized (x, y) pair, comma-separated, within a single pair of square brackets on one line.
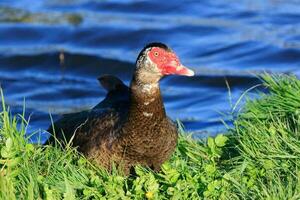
[(153, 44)]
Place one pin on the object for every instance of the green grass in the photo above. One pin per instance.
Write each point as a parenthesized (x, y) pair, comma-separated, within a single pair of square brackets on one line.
[(259, 158)]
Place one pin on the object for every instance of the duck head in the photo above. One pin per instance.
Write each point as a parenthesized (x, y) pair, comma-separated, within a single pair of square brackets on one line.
[(157, 60)]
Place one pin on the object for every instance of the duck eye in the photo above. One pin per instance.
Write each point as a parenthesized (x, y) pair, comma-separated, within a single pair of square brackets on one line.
[(156, 53)]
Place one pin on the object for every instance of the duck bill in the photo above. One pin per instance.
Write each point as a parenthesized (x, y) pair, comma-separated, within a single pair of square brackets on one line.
[(177, 70), (184, 71)]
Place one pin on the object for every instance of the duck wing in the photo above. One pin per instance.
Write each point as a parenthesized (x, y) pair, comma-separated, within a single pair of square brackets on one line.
[(117, 92), (82, 126), (103, 117)]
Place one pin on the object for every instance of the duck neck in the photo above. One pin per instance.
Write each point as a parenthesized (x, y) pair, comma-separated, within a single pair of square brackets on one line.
[(146, 100)]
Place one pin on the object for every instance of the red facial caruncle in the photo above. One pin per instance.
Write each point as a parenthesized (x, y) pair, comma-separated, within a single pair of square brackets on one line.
[(167, 62)]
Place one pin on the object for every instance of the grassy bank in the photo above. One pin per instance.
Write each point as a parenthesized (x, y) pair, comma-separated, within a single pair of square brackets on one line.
[(259, 158)]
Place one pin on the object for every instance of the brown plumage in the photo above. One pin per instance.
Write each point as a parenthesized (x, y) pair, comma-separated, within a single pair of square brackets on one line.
[(129, 126)]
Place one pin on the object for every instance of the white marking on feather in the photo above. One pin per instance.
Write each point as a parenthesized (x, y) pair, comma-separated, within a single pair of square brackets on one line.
[(146, 114), (148, 87), (148, 102)]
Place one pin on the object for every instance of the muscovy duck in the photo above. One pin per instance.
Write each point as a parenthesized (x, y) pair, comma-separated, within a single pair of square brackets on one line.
[(129, 127)]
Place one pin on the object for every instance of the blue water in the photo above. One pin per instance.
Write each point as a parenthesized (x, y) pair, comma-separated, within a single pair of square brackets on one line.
[(221, 40)]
